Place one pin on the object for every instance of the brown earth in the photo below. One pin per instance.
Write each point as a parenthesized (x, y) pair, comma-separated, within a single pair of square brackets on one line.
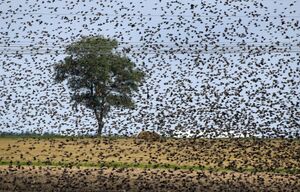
[(230, 154), (107, 179), (222, 153)]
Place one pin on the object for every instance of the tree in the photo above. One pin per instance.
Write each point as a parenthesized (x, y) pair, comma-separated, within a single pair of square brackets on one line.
[(98, 77)]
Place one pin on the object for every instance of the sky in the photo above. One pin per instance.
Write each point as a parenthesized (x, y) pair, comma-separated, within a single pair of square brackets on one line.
[(219, 67)]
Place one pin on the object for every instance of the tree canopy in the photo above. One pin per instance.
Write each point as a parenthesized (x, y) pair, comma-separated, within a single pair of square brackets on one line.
[(98, 76)]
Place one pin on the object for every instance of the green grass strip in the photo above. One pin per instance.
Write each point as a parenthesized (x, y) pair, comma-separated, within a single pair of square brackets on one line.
[(149, 166)]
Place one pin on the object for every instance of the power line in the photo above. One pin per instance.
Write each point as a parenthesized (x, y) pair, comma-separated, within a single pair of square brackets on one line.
[(167, 47), (98, 14), (13, 46), (166, 52), (170, 42), (25, 43)]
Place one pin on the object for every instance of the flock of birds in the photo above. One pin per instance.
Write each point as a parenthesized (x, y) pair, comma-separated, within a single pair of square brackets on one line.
[(228, 154), (214, 68), (115, 180), (262, 154)]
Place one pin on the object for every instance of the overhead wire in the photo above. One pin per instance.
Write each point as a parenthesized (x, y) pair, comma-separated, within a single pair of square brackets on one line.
[(151, 15)]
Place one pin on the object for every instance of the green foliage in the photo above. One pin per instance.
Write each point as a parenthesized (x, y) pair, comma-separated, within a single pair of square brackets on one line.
[(98, 76)]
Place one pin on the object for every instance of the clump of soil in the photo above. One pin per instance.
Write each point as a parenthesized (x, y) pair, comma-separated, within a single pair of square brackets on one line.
[(148, 136)]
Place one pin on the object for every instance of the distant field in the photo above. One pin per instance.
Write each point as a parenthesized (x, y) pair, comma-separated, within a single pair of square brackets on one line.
[(272, 155), (271, 159)]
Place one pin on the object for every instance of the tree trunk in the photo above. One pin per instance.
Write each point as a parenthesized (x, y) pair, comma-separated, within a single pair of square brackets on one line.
[(99, 116), (100, 127)]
